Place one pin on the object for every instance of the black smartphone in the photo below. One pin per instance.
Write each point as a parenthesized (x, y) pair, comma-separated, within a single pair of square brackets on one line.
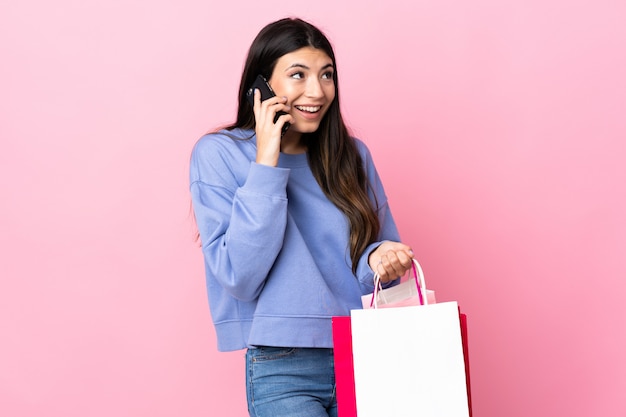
[(266, 92)]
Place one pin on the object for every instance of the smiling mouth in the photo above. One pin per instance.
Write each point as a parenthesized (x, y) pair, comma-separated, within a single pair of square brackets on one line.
[(309, 109)]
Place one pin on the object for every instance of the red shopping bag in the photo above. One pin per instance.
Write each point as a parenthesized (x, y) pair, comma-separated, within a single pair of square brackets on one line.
[(344, 366), (463, 319)]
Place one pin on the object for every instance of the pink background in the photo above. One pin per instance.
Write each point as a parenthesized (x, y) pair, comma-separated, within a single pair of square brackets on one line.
[(498, 127)]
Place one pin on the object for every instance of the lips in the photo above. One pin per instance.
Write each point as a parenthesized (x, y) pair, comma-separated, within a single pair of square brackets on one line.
[(309, 109)]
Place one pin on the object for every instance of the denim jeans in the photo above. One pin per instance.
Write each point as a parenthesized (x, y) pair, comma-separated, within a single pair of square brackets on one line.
[(290, 382)]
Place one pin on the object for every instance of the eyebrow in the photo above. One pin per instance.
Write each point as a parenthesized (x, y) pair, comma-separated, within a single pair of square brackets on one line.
[(329, 65)]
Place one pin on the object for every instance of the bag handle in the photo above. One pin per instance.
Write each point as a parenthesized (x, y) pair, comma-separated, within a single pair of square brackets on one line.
[(420, 283)]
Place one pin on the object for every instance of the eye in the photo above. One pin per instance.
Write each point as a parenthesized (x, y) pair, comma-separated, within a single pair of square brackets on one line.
[(297, 75), (328, 75)]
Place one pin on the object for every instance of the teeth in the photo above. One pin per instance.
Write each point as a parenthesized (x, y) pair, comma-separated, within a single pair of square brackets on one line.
[(310, 109)]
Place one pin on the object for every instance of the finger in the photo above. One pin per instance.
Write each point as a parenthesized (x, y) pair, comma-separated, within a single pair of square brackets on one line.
[(273, 101), (285, 118), (396, 263), (257, 99), (382, 272), (281, 106), (271, 107), (406, 260), (395, 267)]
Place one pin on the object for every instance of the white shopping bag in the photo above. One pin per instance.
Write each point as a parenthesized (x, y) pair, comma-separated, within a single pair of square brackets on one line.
[(409, 361)]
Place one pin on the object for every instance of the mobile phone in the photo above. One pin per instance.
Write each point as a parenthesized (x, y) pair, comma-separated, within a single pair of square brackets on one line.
[(266, 92)]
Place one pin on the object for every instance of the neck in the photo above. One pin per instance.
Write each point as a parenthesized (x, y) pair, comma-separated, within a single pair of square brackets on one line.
[(291, 143)]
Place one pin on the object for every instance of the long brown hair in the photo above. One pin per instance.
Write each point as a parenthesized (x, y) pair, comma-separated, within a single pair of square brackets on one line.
[(332, 153)]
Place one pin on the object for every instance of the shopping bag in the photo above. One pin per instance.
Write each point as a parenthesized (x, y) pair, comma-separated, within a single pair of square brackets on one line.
[(408, 361), (463, 320), (407, 293), (344, 366), (444, 390)]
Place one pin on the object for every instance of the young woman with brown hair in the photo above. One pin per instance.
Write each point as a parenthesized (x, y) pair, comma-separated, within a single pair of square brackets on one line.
[(293, 226)]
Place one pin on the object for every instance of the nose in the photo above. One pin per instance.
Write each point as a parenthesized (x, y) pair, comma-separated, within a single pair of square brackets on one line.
[(314, 88)]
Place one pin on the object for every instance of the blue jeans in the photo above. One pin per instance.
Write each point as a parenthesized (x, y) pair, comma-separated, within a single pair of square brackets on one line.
[(290, 382)]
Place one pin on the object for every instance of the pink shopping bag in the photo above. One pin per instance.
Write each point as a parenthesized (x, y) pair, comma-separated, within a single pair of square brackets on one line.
[(407, 293)]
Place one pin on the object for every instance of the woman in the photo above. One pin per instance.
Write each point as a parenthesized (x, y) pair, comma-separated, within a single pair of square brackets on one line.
[(293, 226)]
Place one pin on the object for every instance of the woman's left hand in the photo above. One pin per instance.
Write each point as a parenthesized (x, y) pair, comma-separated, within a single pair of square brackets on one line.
[(391, 260)]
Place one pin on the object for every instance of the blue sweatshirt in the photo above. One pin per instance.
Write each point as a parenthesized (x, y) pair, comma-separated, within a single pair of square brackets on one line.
[(276, 250)]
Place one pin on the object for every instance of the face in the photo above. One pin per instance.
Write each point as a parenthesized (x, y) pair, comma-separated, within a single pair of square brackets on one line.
[(305, 77)]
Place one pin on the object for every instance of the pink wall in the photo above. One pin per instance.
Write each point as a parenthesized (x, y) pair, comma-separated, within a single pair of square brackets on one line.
[(498, 127)]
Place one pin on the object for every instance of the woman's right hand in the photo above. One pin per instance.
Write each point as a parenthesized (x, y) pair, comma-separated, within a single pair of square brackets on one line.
[(268, 133)]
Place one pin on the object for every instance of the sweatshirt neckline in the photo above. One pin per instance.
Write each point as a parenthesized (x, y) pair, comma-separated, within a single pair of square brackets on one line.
[(292, 160), (287, 160)]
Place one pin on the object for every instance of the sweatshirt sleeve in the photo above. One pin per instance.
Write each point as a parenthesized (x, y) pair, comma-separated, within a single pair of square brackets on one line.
[(241, 213), (388, 228)]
